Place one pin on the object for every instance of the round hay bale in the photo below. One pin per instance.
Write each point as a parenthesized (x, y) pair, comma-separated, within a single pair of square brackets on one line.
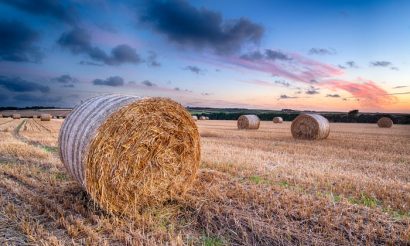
[(194, 117), (277, 120), (202, 118), (130, 152), (249, 121), (34, 116), (45, 117), (206, 118), (1, 116), (310, 126), (16, 116), (385, 122)]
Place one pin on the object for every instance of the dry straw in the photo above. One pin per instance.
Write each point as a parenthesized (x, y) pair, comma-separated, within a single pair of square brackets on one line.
[(45, 117), (385, 122), (16, 116), (310, 126), (249, 121), (129, 153), (277, 120)]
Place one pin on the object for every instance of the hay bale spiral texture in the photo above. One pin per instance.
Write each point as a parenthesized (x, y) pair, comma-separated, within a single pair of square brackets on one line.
[(130, 152), (310, 126), (45, 117), (385, 122), (249, 121), (277, 120), (16, 116)]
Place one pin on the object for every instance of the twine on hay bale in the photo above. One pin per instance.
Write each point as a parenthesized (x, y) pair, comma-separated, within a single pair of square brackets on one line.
[(249, 121), (385, 122), (45, 117), (277, 120), (16, 116), (129, 152), (310, 126)]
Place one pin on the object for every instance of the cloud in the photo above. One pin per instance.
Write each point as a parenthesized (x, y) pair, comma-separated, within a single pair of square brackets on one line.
[(322, 51), (65, 78), (283, 96), (16, 84), (52, 8), (294, 67), (69, 86), (148, 83), (152, 60), (113, 81), (78, 41), (268, 55), (381, 63), (177, 89), (400, 86), (351, 64), (394, 68), (312, 91), (193, 69), (206, 94), (332, 95), (91, 63), (17, 42), (365, 90), (186, 25), (281, 82)]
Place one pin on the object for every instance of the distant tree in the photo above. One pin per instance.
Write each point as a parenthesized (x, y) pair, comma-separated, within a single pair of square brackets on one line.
[(353, 112)]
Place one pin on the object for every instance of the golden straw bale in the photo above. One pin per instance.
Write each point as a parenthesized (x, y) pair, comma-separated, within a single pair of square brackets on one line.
[(202, 117), (310, 126), (277, 120), (249, 121), (130, 152), (194, 117), (45, 117), (16, 116), (385, 122)]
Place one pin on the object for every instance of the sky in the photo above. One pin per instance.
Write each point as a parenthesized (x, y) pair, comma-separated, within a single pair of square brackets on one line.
[(306, 55)]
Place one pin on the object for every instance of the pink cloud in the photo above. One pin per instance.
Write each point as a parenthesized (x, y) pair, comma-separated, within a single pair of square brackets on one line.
[(366, 90)]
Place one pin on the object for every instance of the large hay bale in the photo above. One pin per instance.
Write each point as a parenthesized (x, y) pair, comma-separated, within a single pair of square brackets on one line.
[(194, 117), (16, 116), (248, 121), (385, 122), (277, 120), (128, 152), (45, 117), (310, 126)]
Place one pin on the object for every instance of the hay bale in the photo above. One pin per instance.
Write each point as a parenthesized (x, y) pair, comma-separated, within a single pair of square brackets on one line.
[(34, 116), (249, 121), (129, 152), (1, 116), (385, 122), (202, 118), (277, 120), (206, 118), (45, 117), (194, 117), (310, 126), (16, 116)]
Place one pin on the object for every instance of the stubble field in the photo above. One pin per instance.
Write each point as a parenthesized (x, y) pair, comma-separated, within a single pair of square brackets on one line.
[(254, 188)]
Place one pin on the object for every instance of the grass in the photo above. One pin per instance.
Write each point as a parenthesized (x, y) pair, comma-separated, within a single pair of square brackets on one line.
[(249, 191)]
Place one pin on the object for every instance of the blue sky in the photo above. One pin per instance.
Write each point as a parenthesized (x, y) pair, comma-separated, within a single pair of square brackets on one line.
[(317, 55)]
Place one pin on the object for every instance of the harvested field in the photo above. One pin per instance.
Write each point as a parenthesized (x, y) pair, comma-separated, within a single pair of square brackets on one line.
[(254, 187)]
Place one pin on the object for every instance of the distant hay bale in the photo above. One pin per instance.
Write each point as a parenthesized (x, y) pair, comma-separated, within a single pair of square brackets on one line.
[(194, 117), (310, 126), (249, 121), (385, 122), (1, 116), (202, 118), (45, 117), (206, 118), (16, 116), (277, 120), (34, 116), (130, 152)]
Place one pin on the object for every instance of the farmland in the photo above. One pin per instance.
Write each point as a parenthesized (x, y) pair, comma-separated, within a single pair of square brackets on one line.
[(254, 187)]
